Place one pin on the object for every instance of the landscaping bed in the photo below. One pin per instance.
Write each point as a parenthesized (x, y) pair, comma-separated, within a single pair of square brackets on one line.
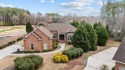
[(43, 51)]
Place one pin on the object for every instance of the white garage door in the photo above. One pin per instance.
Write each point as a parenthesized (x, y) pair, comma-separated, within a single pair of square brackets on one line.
[(45, 46)]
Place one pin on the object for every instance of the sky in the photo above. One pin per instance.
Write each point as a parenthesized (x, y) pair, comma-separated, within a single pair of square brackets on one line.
[(63, 7)]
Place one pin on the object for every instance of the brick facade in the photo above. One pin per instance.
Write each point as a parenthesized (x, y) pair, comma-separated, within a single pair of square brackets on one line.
[(117, 65), (38, 44)]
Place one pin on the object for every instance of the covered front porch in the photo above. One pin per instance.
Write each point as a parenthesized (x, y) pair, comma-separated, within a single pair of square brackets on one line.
[(61, 38)]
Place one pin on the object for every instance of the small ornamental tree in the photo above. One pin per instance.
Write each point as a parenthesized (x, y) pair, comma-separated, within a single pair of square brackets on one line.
[(29, 27), (74, 23), (80, 38), (103, 35), (92, 36)]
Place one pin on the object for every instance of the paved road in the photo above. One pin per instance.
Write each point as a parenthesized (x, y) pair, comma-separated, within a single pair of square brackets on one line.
[(9, 50)]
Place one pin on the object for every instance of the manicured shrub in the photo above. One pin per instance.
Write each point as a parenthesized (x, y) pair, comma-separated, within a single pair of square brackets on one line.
[(11, 42), (80, 38), (57, 58), (64, 58), (73, 52), (30, 62), (55, 45), (92, 36), (3, 46), (47, 50), (18, 39), (60, 58)]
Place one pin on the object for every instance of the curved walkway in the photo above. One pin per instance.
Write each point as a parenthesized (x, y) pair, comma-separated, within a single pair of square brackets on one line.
[(11, 49)]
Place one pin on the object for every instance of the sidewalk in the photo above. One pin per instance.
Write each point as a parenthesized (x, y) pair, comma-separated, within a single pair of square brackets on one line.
[(102, 58)]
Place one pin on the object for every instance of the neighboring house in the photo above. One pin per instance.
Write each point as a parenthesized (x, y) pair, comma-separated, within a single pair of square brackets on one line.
[(42, 38), (62, 33), (39, 39), (120, 57)]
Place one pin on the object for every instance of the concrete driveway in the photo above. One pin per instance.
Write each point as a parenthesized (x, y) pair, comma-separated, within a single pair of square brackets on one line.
[(9, 50), (96, 61)]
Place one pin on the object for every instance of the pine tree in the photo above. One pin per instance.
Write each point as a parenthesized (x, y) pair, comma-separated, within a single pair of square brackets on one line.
[(92, 36), (80, 39)]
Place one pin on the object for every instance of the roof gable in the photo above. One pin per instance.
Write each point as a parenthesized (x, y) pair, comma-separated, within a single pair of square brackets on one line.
[(42, 29), (120, 53), (45, 31), (39, 38)]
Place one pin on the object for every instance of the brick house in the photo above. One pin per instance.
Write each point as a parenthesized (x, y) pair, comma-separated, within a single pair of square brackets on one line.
[(39, 39), (62, 33), (42, 38), (119, 57)]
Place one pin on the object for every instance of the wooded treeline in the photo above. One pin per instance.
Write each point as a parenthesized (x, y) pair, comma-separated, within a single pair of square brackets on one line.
[(114, 14), (16, 16)]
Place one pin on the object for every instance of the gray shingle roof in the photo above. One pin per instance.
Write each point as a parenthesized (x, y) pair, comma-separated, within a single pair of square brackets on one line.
[(61, 28), (45, 31), (120, 54)]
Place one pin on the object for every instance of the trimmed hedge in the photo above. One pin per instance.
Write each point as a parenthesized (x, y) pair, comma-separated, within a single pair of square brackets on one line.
[(10, 43), (73, 52), (30, 62), (34, 51), (60, 58), (18, 39)]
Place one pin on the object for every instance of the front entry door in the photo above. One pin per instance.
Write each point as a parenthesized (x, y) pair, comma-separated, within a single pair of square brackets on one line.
[(45, 46)]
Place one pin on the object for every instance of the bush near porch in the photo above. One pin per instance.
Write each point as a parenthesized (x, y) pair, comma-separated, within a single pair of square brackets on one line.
[(30, 62), (55, 45)]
